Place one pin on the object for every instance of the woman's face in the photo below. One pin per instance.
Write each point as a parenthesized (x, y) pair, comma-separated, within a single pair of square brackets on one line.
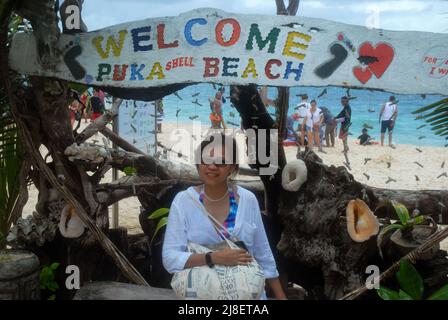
[(213, 170)]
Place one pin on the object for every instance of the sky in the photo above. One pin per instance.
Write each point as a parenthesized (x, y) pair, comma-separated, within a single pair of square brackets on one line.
[(412, 15)]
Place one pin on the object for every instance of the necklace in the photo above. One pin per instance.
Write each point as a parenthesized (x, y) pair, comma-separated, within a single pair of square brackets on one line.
[(215, 200)]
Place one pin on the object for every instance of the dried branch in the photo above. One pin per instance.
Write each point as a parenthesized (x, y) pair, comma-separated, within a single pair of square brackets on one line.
[(119, 141), (123, 264), (100, 123)]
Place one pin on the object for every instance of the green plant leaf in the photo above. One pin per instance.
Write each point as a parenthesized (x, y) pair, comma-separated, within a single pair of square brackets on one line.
[(441, 294), (387, 294), (418, 219), (159, 213), (52, 297), (384, 231), (54, 266), (162, 222), (130, 171), (402, 212), (403, 295), (431, 106), (410, 280)]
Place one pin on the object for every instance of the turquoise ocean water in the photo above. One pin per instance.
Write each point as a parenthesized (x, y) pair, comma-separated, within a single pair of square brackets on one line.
[(405, 131)]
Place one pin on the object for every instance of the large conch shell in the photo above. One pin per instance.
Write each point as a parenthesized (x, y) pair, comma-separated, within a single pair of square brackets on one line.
[(70, 224), (294, 175), (361, 222)]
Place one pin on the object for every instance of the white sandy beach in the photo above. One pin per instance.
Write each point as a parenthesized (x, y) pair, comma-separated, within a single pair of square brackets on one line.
[(402, 169)]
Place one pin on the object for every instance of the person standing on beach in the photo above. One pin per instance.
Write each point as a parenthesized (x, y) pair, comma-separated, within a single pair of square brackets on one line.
[(344, 117), (97, 105), (387, 118), (216, 105), (313, 121), (291, 131), (329, 126), (301, 111)]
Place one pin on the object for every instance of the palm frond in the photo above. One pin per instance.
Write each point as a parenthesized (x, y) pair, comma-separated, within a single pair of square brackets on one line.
[(436, 115)]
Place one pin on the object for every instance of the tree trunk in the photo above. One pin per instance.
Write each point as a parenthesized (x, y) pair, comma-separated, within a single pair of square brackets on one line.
[(428, 202)]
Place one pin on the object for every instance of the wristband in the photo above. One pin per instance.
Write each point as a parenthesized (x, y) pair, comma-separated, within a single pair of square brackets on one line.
[(208, 259)]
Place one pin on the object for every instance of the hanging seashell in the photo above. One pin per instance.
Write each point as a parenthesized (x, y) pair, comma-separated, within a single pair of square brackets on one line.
[(294, 175), (70, 224), (361, 222)]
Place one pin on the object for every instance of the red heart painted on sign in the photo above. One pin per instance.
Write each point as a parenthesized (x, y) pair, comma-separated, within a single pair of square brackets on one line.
[(382, 53), (362, 75)]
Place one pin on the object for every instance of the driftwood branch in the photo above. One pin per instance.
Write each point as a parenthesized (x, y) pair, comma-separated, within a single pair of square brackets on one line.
[(119, 141), (429, 202), (123, 264), (99, 123)]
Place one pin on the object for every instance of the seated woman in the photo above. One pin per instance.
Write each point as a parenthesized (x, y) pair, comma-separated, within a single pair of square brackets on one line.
[(234, 207)]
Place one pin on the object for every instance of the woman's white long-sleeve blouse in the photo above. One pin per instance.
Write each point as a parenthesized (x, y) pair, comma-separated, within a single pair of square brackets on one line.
[(187, 223)]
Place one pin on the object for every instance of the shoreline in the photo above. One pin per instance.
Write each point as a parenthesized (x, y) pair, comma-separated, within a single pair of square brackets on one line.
[(189, 123), (402, 169), (372, 165)]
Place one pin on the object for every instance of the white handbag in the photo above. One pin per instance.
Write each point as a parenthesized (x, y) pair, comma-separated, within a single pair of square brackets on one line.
[(240, 282)]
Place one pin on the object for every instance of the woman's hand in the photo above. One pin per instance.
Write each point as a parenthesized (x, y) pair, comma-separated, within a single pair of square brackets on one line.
[(231, 257)]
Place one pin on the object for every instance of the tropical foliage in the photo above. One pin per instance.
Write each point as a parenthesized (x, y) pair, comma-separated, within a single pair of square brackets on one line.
[(411, 286), (47, 279), (11, 152), (436, 115), (161, 214), (11, 159)]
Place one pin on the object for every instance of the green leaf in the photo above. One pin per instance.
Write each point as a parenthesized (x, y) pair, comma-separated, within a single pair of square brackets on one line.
[(403, 295), (159, 213), (441, 294), (410, 280), (54, 265), (402, 212), (52, 297), (419, 219), (130, 171), (387, 294), (431, 106), (162, 222)]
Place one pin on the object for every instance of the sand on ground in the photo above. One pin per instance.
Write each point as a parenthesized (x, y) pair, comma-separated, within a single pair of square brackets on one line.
[(408, 167)]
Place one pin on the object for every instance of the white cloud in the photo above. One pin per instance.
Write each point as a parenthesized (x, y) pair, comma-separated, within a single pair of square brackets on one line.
[(391, 6), (419, 15), (314, 4)]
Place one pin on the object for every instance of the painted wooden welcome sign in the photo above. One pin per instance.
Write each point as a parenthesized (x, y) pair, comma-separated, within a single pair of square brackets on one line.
[(210, 45)]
